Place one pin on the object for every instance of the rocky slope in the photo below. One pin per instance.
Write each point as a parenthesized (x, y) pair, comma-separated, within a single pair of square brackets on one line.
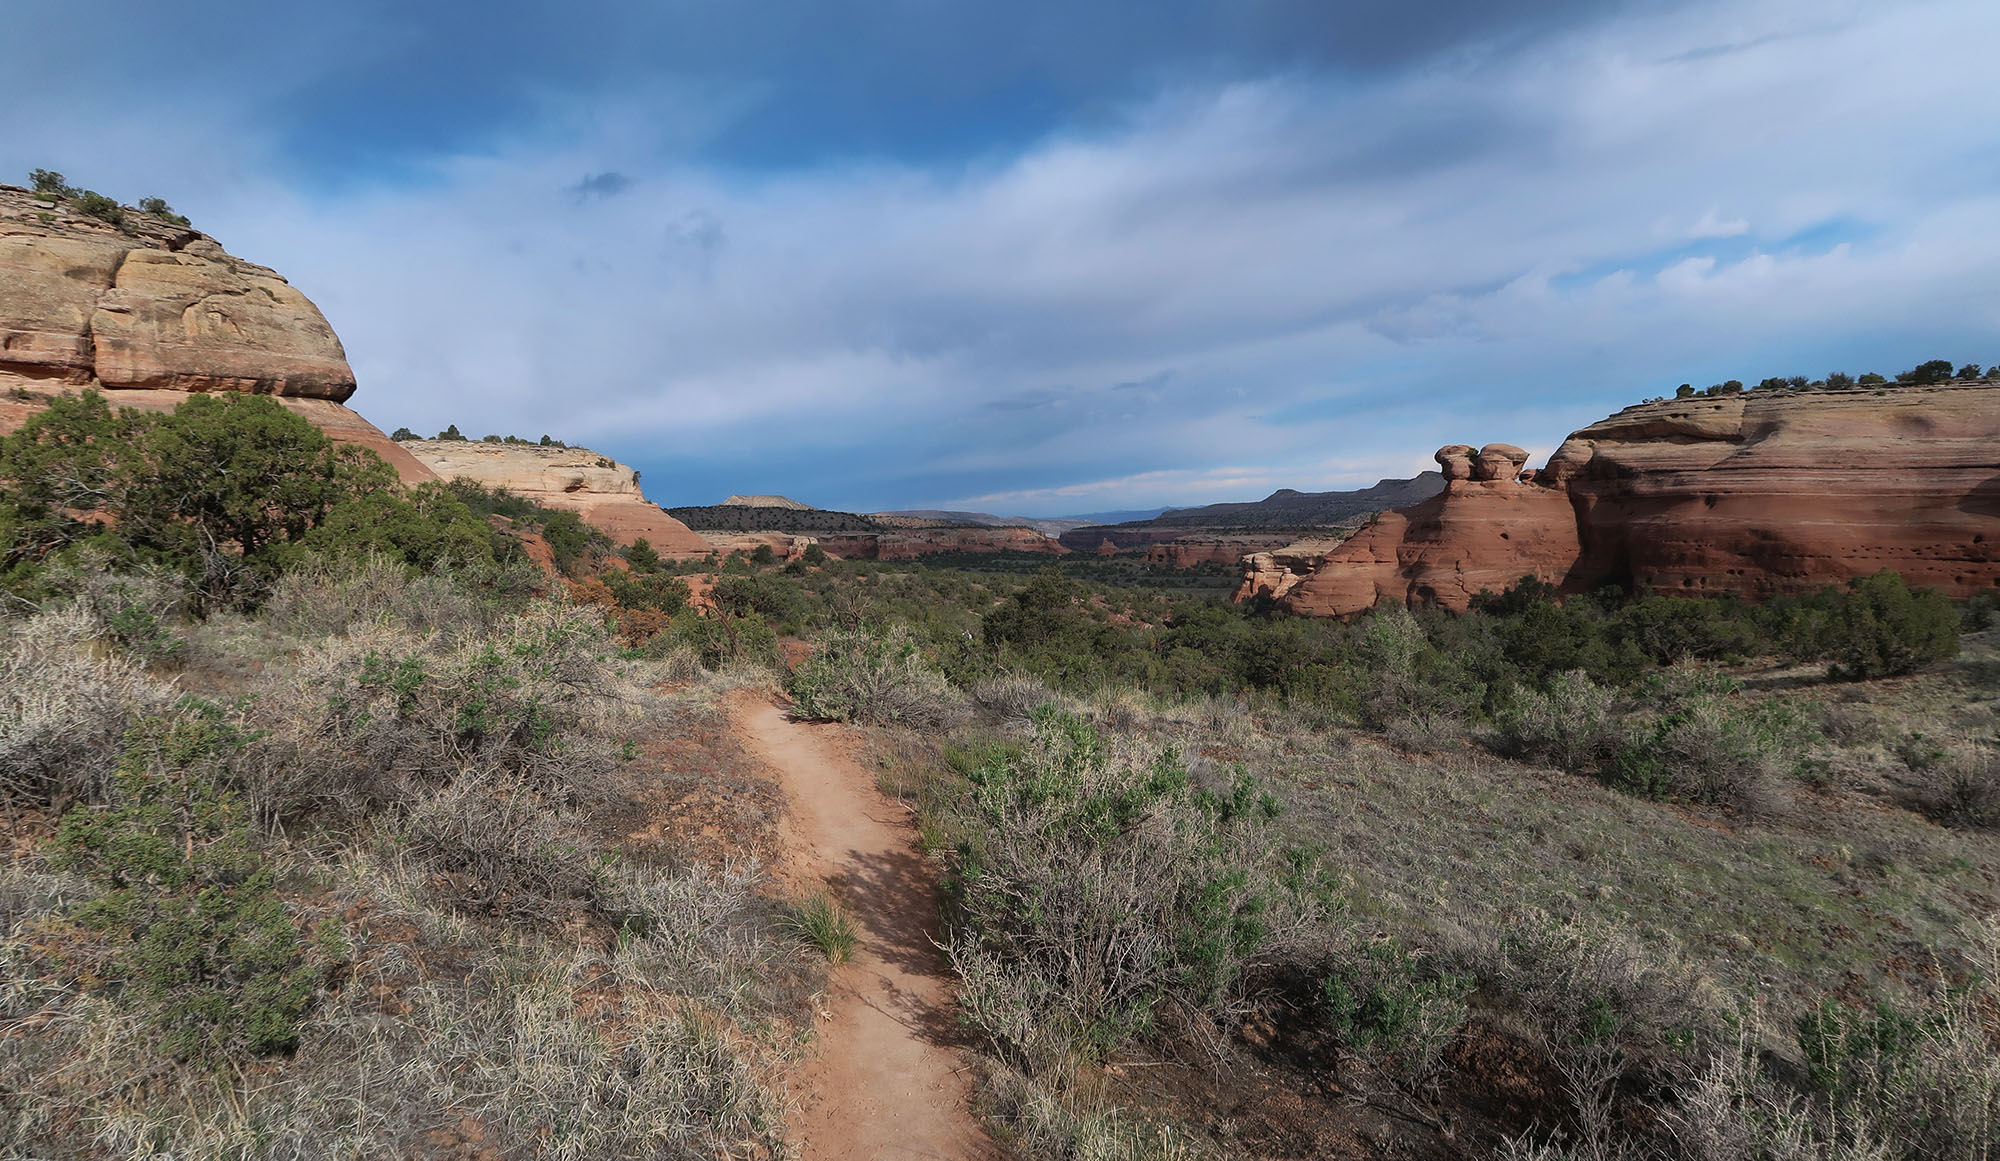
[(599, 489), (1753, 494), (1283, 511), (153, 311)]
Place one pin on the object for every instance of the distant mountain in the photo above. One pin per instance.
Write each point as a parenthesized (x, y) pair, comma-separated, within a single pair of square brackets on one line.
[(1282, 511), (1286, 508)]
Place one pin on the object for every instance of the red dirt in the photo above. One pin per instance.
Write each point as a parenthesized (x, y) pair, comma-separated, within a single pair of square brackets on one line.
[(888, 1082)]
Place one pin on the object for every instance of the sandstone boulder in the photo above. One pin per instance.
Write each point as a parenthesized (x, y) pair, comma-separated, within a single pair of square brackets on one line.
[(599, 489), (1455, 461), (154, 311)]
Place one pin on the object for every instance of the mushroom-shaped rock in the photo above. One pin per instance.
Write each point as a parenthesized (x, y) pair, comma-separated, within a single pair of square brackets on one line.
[(1499, 461), (1455, 459)]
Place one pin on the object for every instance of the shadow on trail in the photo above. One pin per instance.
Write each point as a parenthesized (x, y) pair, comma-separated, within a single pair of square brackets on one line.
[(892, 895)]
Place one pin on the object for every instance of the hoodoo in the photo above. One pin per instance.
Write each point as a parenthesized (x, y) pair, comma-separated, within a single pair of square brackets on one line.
[(152, 311), (1753, 494)]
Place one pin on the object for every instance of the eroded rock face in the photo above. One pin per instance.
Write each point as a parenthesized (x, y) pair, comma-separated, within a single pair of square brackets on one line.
[(1753, 494), (601, 490), (1190, 551), (155, 311)]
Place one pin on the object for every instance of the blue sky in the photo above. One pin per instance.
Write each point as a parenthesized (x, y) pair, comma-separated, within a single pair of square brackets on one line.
[(1056, 257)]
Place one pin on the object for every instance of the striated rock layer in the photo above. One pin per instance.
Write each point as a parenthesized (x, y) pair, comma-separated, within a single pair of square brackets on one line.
[(1752, 494), (888, 544), (604, 492), (155, 311)]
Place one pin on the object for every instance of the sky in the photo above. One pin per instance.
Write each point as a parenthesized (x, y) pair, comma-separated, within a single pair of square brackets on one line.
[(1054, 257)]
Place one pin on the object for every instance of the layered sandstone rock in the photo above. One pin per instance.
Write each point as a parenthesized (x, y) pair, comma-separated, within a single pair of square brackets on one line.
[(1752, 494), (604, 492), (154, 311), (1190, 551), (888, 544)]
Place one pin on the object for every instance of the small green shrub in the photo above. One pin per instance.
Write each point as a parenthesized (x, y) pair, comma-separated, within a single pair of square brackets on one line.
[(1397, 1007), (192, 928), (92, 204)]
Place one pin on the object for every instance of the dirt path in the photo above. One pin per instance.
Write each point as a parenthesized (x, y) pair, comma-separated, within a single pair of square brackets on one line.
[(883, 1085)]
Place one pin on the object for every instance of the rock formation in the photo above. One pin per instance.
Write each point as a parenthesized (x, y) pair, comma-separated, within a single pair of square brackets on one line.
[(154, 311), (766, 502), (599, 489), (1753, 494), (887, 544), (1222, 548)]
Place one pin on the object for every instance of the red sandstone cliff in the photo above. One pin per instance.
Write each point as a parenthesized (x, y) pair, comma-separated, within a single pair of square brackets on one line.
[(1754, 494), (155, 311)]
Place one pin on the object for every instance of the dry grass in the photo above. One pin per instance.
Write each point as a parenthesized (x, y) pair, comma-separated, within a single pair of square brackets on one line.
[(445, 792)]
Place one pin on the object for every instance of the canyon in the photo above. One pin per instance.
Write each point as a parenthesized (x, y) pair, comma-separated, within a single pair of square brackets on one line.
[(1751, 494)]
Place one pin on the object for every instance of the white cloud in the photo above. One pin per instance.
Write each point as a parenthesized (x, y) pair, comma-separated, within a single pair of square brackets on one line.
[(1295, 270)]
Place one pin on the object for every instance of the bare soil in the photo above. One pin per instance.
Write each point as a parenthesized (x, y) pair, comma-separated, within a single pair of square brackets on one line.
[(889, 1081)]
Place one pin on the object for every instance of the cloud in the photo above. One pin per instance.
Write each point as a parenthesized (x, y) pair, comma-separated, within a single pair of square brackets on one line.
[(1295, 264), (601, 185), (1712, 227)]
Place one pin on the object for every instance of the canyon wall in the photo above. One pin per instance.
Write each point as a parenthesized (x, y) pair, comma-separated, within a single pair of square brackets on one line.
[(154, 311), (602, 491), (1752, 494)]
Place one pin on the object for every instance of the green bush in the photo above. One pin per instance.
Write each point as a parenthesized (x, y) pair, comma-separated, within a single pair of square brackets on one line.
[(193, 930), (1094, 892), (1881, 627), (1697, 739), (92, 204), (1398, 1007)]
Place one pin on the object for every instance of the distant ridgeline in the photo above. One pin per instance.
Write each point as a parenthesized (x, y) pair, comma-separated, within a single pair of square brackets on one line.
[(1285, 510), (757, 518)]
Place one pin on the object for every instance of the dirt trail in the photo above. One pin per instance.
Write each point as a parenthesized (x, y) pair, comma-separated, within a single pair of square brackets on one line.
[(884, 1084)]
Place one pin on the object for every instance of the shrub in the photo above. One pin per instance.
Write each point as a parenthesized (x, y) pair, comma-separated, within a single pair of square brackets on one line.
[(1571, 726), (1969, 371), (1839, 380), (1969, 787), (1398, 1007), (1881, 627), (1702, 742), (1934, 371), (882, 680), (48, 181), (64, 709), (192, 926), (1871, 379), (1012, 696), (495, 847), (158, 208), (1095, 892)]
